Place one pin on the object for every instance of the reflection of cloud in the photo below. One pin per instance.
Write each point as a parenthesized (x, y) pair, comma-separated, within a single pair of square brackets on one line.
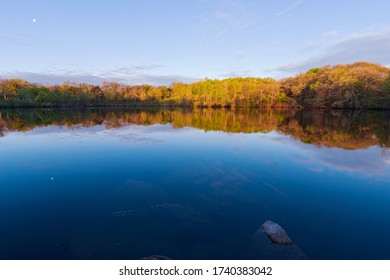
[(362, 46), (358, 162), (277, 190), (167, 128), (32, 165), (350, 161), (316, 169), (127, 133), (365, 162), (126, 136)]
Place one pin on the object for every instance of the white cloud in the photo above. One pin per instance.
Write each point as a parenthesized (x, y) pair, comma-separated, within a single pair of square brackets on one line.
[(372, 46), (233, 74), (51, 79), (130, 79), (131, 74)]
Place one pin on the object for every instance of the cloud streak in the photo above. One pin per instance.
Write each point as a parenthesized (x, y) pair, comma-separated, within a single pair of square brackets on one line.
[(136, 67), (290, 8), (13, 41), (228, 18), (131, 74)]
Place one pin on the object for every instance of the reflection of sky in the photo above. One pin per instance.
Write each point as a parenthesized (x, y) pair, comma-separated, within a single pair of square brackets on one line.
[(365, 162), (234, 178), (164, 141), (131, 134)]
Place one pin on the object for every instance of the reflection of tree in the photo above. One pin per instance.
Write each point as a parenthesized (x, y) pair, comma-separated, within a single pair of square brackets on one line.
[(385, 152), (344, 129), (3, 126)]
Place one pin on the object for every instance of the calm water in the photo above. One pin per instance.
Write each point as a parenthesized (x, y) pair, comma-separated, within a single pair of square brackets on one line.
[(122, 184)]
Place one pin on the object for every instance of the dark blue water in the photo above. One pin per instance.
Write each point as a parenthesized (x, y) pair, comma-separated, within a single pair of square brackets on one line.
[(122, 184)]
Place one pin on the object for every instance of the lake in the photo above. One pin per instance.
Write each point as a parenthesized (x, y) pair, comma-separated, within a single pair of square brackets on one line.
[(192, 184)]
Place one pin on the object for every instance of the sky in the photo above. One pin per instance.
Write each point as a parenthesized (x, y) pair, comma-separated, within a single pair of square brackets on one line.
[(161, 42)]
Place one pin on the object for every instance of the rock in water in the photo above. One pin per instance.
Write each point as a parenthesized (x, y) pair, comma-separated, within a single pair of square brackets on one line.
[(271, 242), (276, 233)]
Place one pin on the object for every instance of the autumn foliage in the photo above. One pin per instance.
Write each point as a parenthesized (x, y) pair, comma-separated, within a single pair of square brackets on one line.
[(357, 85)]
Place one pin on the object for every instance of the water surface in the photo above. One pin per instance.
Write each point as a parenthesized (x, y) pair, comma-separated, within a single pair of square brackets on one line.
[(126, 184)]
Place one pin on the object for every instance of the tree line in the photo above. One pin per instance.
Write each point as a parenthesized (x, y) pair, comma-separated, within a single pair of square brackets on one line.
[(357, 85)]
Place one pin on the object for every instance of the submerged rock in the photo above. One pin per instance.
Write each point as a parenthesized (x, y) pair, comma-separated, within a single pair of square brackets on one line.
[(271, 242), (276, 233), (156, 257)]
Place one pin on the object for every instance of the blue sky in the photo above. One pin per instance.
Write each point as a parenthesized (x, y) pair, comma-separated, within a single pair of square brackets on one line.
[(160, 42)]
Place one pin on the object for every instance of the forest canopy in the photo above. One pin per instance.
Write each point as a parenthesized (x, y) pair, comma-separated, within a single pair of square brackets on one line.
[(357, 85)]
